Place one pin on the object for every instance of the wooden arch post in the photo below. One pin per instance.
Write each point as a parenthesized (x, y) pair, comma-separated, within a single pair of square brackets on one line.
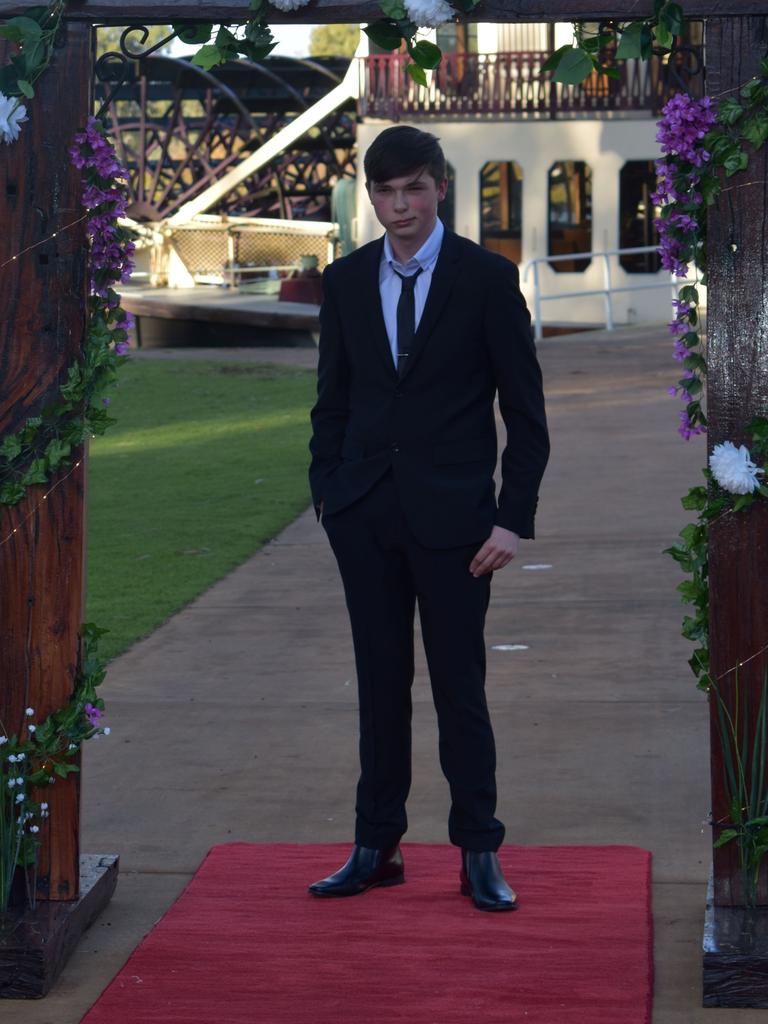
[(736, 940), (42, 301), (42, 321)]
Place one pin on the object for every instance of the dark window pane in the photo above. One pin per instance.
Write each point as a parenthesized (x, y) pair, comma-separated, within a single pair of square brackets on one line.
[(637, 181), (453, 37), (501, 209), (570, 213)]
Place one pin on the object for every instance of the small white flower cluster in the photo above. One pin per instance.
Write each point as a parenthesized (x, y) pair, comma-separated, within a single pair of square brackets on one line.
[(288, 5), (734, 469), (428, 13), (16, 782), (12, 113)]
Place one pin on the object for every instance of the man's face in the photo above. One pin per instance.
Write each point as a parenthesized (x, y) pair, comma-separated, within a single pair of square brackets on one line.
[(406, 207)]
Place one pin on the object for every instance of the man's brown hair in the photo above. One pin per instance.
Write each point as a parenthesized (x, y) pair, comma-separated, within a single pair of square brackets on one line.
[(400, 150)]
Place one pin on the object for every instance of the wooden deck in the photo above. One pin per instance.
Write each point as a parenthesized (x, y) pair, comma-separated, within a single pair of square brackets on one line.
[(218, 306)]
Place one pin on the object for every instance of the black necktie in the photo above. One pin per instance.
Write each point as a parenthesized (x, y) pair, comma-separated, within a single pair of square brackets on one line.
[(406, 318)]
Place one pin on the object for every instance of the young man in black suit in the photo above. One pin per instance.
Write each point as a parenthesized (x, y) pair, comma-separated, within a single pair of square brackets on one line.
[(419, 331)]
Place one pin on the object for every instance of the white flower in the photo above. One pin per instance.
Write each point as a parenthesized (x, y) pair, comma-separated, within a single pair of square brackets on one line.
[(734, 469), (51, 779), (12, 113), (20, 781), (31, 728), (288, 5), (20, 798), (107, 731), (11, 783), (3, 739), (43, 807), (12, 758), (29, 712), (428, 13), (19, 757), (34, 828)]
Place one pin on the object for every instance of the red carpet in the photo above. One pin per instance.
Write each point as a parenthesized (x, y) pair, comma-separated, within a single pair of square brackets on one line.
[(245, 944)]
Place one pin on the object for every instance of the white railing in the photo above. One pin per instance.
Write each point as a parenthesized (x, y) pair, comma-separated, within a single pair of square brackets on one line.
[(607, 291)]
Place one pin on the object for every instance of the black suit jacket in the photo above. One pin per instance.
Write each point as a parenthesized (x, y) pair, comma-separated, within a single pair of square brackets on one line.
[(435, 425)]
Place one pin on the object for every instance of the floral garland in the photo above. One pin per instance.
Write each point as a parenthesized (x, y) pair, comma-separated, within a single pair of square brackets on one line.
[(733, 483), (35, 35), (591, 52), (48, 442), (43, 752), (703, 147), (35, 758), (684, 177)]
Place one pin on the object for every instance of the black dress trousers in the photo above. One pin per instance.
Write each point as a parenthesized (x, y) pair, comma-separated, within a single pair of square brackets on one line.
[(385, 572)]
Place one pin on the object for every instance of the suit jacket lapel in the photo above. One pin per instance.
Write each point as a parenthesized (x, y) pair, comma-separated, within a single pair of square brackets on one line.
[(443, 276), (371, 314)]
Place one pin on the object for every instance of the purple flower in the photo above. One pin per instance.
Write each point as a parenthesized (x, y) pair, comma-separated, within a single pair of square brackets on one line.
[(121, 348), (687, 430), (93, 714), (678, 327)]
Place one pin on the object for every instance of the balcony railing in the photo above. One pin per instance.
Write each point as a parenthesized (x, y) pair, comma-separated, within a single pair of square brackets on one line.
[(510, 85)]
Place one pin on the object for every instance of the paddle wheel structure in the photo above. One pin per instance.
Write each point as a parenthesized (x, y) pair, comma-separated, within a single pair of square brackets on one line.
[(178, 129), (42, 302)]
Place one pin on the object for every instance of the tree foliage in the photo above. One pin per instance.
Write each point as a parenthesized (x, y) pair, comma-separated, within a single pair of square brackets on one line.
[(108, 38), (334, 40)]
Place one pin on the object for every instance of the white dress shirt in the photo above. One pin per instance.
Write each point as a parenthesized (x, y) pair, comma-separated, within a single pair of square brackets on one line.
[(390, 284)]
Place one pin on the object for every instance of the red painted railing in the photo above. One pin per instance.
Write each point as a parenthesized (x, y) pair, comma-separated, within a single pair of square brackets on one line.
[(505, 84)]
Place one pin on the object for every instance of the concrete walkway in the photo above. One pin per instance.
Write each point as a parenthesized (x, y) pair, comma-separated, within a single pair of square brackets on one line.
[(236, 720)]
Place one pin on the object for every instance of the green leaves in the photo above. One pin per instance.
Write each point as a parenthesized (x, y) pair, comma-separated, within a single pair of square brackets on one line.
[(21, 30), (193, 33), (755, 129), (736, 160), (10, 448), (208, 57), (636, 41), (695, 499), (418, 74), (256, 42), (726, 836), (389, 33), (395, 10), (425, 54), (730, 111), (34, 35), (570, 65), (385, 34)]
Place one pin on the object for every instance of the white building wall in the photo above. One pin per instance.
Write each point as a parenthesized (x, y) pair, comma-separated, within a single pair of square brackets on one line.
[(535, 145)]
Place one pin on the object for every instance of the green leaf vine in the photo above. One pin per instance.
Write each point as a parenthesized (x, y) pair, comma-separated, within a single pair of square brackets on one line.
[(33, 758), (597, 50), (34, 35)]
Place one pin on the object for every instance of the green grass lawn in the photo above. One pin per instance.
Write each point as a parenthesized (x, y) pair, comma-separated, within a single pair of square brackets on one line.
[(206, 462)]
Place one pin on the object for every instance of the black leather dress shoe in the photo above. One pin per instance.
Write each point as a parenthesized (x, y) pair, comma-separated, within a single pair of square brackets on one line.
[(364, 870), (481, 878)]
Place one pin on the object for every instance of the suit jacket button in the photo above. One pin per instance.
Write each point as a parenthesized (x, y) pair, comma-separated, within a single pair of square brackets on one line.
[(395, 448)]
